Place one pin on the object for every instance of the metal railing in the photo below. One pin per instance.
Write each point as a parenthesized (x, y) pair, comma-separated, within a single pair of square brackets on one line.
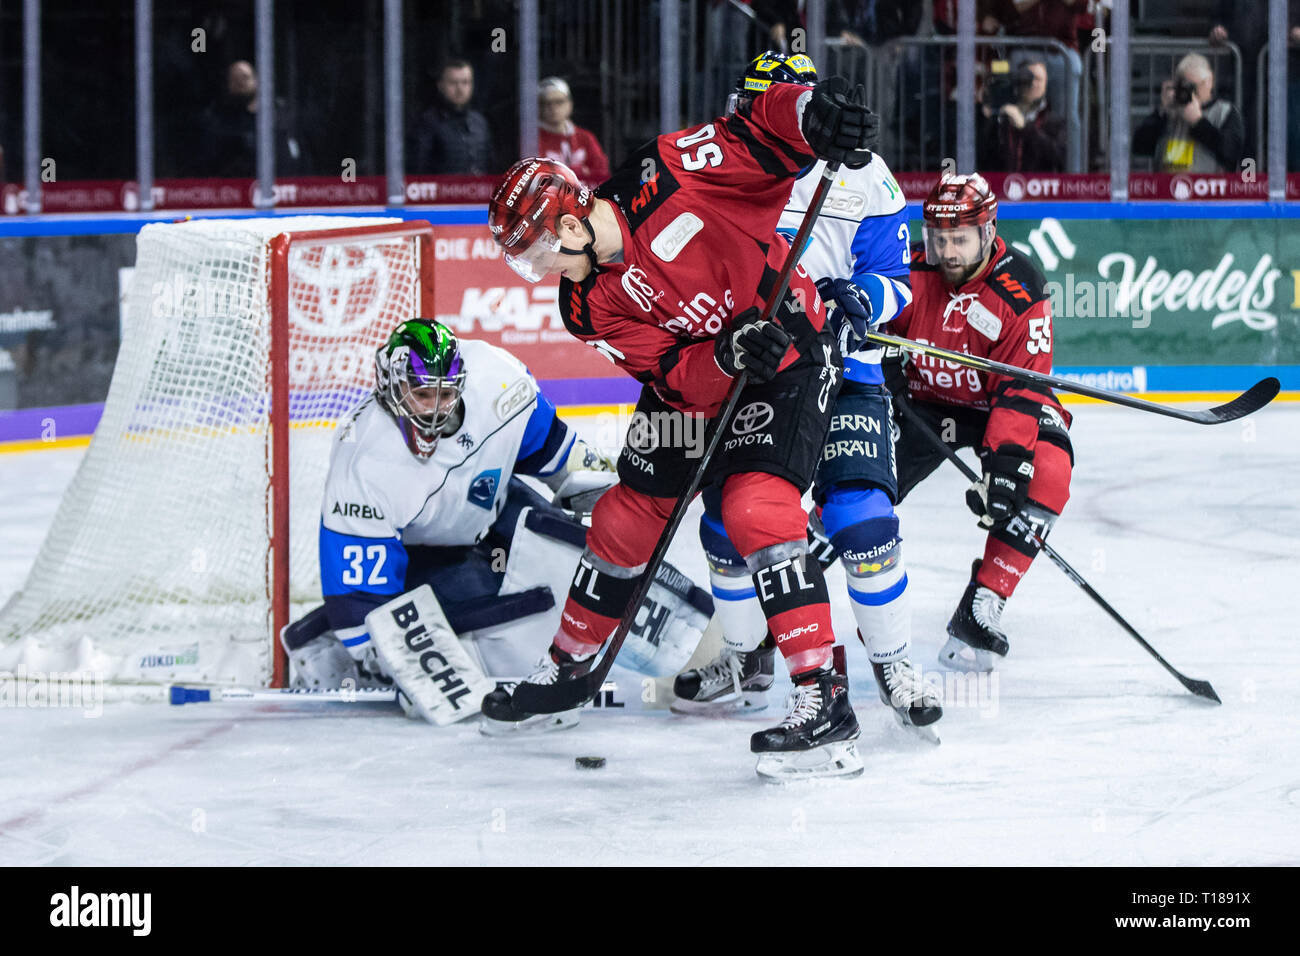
[(1154, 49), (619, 57), (919, 119)]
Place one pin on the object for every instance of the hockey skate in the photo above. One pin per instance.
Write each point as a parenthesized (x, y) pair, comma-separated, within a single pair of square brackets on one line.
[(975, 634), (914, 702), (816, 737), (734, 680), (501, 719)]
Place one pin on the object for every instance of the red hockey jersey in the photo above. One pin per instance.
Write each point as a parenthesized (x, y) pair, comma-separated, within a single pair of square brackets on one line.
[(1002, 313), (698, 211)]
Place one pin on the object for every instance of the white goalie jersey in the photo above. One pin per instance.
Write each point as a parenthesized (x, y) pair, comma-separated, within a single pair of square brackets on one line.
[(379, 497)]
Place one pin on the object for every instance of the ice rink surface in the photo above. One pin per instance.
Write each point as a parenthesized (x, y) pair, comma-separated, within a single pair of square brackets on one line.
[(1083, 752)]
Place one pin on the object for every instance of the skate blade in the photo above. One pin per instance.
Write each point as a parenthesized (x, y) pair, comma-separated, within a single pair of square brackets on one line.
[(749, 702), (926, 733), (838, 759), (960, 656), (537, 724)]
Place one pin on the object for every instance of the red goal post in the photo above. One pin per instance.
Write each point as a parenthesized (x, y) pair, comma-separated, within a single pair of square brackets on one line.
[(281, 346)]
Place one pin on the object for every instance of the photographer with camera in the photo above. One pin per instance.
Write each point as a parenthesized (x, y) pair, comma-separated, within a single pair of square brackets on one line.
[(1192, 131), (1019, 132)]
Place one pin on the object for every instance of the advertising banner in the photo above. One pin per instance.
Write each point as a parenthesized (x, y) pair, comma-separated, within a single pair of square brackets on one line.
[(1161, 305), (481, 297), (1175, 292), (101, 196)]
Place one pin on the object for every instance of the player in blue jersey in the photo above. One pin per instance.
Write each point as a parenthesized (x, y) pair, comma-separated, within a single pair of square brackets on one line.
[(859, 254)]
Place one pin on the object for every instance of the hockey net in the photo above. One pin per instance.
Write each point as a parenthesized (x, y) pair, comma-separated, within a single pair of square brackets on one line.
[(243, 343)]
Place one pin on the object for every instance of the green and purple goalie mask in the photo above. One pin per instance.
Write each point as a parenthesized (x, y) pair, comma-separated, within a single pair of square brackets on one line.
[(420, 376)]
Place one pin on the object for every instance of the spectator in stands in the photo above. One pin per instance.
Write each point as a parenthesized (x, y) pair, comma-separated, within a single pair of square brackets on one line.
[(1246, 25), (229, 130), (1049, 18), (449, 137), (1192, 131), (873, 21), (1019, 132), (992, 17), (558, 138), (780, 18)]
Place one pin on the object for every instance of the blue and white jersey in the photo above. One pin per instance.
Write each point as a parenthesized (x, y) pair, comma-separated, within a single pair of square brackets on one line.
[(379, 498), (861, 234)]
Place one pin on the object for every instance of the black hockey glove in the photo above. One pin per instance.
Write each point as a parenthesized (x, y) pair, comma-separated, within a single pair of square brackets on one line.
[(1005, 488), (837, 124), (751, 346), (848, 312)]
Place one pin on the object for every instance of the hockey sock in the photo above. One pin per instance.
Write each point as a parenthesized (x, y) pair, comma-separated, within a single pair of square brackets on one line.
[(792, 593), (872, 554), (864, 529), (735, 602), (1009, 551), (598, 598)]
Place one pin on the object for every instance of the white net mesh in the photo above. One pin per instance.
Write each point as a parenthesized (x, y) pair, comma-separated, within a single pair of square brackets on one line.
[(156, 567)]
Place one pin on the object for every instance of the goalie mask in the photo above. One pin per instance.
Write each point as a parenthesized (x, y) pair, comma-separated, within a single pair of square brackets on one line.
[(961, 220), (766, 69), (420, 376)]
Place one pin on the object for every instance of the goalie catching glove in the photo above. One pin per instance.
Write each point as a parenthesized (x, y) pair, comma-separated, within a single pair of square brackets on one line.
[(751, 345), (1003, 491)]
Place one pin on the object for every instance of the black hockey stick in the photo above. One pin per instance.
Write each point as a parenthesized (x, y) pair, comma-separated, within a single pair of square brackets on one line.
[(568, 694), (1200, 688), (1251, 400)]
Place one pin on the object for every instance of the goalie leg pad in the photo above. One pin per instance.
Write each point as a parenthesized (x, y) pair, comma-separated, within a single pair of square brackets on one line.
[(668, 625), (871, 551), (418, 648)]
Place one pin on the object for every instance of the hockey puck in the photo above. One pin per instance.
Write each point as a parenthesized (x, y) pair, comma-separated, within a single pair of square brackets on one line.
[(589, 763)]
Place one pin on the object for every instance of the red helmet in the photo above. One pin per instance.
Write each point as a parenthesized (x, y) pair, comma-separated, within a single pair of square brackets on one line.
[(960, 201), (525, 210), (957, 201)]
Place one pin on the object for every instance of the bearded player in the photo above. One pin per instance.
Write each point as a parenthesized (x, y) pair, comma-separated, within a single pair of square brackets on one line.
[(858, 254), (972, 293), (665, 269)]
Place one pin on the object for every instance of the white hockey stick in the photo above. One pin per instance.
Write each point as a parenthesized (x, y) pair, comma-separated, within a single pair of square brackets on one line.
[(179, 695)]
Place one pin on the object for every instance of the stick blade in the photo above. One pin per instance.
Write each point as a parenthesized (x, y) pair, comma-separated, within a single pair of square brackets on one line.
[(1248, 402), (555, 698), (1201, 688)]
